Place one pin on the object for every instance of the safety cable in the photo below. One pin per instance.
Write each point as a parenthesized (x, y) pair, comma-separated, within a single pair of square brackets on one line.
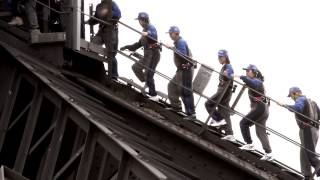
[(49, 7), (164, 76)]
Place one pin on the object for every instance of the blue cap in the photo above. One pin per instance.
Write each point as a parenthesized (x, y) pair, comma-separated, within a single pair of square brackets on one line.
[(174, 29), (294, 90), (142, 15), (251, 67), (222, 53)]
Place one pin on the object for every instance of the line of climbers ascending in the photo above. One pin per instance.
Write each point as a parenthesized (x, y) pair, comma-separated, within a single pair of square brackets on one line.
[(181, 84), (307, 111)]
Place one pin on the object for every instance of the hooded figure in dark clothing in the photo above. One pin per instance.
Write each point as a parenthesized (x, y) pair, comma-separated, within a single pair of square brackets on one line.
[(105, 29)]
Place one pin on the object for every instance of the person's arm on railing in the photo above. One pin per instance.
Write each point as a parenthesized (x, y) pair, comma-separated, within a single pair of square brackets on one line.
[(132, 47), (251, 82), (100, 13)]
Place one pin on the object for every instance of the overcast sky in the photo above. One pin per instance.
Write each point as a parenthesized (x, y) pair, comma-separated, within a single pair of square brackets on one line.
[(280, 37)]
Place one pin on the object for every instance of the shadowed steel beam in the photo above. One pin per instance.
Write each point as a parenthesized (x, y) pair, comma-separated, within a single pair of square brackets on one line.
[(128, 164), (8, 106), (54, 147), (87, 155), (111, 139), (123, 171), (105, 159), (69, 163), (14, 122), (140, 171), (43, 137), (28, 130)]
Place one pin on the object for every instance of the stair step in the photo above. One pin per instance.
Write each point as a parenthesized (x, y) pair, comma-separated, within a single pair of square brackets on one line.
[(48, 38), (92, 47)]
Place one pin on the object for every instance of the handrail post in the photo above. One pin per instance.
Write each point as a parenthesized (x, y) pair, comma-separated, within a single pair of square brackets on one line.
[(72, 23), (76, 24), (91, 26), (217, 103), (82, 25), (237, 99), (109, 36)]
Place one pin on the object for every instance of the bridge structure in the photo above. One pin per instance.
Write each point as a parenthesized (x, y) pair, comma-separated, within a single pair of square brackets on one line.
[(62, 117)]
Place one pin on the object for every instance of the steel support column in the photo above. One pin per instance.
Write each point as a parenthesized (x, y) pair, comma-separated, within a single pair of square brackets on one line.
[(16, 120), (8, 107), (76, 24), (105, 159), (54, 147), (123, 171), (42, 138), (69, 163), (28, 130), (129, 159), (87, 155), (72, 23)]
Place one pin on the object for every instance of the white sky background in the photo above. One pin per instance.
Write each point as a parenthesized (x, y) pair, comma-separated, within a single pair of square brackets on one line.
[(280, 37)]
